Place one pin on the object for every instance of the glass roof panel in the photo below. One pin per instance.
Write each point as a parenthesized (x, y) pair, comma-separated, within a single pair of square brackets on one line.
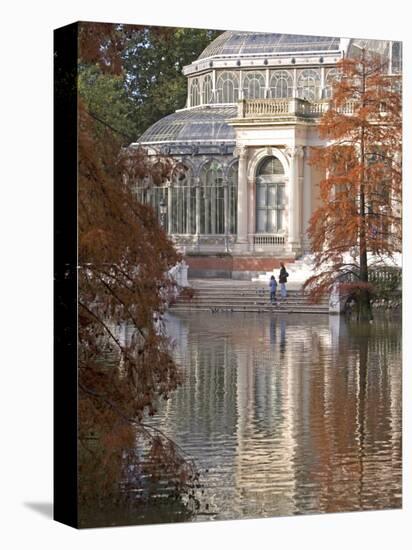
[(200, 124), (378, 46), (245, 43)]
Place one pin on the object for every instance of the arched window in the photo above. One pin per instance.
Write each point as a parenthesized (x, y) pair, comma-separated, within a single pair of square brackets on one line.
[(227, 87), (153, 189), (309, 84), (270, 196), (232, 197), (331, 77), (183, 201), (207, 89), (281, 84), (254, 86), (212, 200), (194, 93)]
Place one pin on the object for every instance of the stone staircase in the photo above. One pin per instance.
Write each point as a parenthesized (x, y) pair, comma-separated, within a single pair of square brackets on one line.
[(216, 295), (299, 270)]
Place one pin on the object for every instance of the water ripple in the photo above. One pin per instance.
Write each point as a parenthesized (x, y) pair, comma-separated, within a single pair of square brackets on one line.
[(289, 415)]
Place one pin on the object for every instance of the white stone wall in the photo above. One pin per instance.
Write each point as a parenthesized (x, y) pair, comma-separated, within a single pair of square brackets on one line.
[(290, 143)]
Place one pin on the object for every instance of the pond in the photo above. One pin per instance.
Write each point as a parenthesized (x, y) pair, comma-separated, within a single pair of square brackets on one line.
[(285, 414)]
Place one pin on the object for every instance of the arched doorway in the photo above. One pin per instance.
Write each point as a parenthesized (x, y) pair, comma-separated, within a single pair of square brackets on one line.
[(270, 196)]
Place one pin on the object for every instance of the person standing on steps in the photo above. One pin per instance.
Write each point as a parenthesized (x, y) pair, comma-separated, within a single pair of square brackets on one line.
[(272, 286), (283, 279)]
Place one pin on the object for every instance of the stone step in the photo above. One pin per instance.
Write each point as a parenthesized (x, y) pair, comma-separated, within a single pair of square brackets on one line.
[(238, 290), (228, 303), (245, 294), (249, 303), (248, 299), (249, 295), (250, 309), (240, 296), (242, 303)]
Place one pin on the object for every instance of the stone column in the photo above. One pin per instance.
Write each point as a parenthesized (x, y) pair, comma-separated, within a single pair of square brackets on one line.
[(188, 101), (295, 84), (294, 211), (197, 187), (242, 218), (322, 82), (169, 210), (226, 212), (251, 209), (214, 98), (299, 229), (307, 198)]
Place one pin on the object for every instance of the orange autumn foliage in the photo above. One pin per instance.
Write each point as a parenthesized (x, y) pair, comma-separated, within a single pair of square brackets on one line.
[(124, 362), (361, 192)]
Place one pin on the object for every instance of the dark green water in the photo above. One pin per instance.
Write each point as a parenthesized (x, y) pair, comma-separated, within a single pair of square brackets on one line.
[(285, 415)]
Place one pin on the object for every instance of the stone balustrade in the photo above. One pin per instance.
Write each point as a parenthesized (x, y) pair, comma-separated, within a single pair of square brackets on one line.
[(261, 108), (253, 107), (266, 239)]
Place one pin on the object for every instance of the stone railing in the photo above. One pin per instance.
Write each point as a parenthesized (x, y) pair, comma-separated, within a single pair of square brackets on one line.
[(389, 277), (268, 239), (260, 108), (305, 108)]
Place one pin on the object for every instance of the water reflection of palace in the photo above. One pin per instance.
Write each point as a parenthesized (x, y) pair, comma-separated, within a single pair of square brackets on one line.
[(289, 416)]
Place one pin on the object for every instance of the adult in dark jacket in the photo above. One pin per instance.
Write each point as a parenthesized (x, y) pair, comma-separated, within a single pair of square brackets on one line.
[(283, 279)]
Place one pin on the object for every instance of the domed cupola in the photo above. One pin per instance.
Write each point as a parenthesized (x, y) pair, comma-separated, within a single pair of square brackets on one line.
[(253, 65)]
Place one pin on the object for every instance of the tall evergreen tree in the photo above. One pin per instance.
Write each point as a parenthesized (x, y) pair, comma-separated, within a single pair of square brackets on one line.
[(146, 82), (153, 62)]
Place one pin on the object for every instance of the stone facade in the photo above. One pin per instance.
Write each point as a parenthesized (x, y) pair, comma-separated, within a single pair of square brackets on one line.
[(243, 184)]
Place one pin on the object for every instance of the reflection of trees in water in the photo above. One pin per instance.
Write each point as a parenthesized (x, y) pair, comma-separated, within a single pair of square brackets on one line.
[(360, 409), (208, 402), (304, 412)]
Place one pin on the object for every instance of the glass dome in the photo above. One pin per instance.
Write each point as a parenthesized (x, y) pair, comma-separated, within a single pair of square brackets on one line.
[(246, 43), (199, 124)]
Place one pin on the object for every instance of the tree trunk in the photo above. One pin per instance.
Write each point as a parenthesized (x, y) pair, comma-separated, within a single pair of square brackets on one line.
[(364, 304)]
